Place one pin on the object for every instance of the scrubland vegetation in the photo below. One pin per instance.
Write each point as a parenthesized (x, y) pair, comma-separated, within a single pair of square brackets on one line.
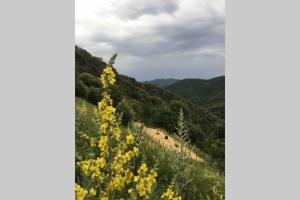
[(115, 160)]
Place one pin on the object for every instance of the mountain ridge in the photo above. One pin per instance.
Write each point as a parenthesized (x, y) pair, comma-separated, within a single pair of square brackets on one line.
[(162, 82), (200, 91)]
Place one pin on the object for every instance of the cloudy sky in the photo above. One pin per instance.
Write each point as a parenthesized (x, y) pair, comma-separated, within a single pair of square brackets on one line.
[(155, 38)]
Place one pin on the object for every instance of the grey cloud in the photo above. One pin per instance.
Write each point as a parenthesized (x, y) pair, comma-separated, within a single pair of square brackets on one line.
[(169, 38), (135, 8), (178, 46)]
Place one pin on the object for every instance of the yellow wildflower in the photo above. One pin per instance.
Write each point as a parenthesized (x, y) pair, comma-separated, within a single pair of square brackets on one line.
[(136, 151), (130, 139), (126, 157), (118, 168), (103, 127), (108, 77), (143, 169), (103, 143), (144, 182), (101, 162), (80, 192), (104, 198), (92, 192), (117, 133), (170, 195)]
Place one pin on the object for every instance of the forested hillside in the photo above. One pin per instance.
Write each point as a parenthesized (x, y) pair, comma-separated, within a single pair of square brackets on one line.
[(154, 106), (162, 83), (201, 92)]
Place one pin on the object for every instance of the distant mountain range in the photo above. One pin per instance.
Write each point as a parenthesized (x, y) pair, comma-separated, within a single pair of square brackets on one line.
[(199, 91)]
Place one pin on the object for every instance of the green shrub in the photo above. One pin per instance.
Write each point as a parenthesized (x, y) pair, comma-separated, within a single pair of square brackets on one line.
[(90, 80), (117, 94), (215, 147), (164, 117), (126, 110), (80, 89), (94, 95)]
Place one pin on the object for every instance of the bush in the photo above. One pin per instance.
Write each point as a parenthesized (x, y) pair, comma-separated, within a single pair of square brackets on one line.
[(164, 117), (127, 112), (80, 89), (90, 80), (117, 94), (196, 134), (94, 95)]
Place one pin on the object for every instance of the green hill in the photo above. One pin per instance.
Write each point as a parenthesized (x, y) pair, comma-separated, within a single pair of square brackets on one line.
[(151, 105), (162, 83), (201, 92)]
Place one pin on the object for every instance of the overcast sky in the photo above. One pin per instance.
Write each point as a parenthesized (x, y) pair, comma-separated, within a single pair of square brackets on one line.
[(155, 38)]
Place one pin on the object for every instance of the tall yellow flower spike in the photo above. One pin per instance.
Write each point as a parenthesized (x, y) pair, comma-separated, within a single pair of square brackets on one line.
[(108, 77), (110, 169)]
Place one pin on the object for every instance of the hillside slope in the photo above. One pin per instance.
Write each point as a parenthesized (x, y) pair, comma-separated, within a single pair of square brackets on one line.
[(162, 83), (201, 92), (202, 178)]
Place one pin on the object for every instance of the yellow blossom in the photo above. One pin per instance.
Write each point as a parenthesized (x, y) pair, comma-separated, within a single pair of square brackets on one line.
[(103, 143), (130, 139), (80, 192), (143, 169), (103, 127), (144, 181), (108, 77), (135, 151), (117, 133), (126, 157), (170, 195), (104, 198), (92, 192), (101, 162)]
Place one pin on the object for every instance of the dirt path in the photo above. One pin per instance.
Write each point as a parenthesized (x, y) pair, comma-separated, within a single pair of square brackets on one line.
[(168, 141)]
